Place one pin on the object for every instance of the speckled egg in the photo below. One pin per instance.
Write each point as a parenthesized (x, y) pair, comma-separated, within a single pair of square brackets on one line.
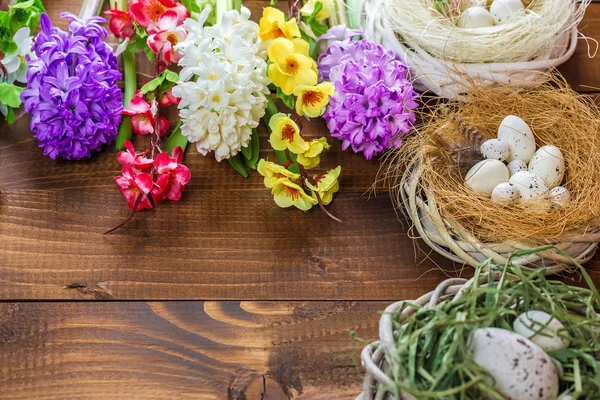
[(503, 11), (514, 131), (542, 329), (484, 176), (516, 166), (475, 17), (549, 164), (530, 185), (495, 149), (560, 195), (505, 193), (520, 368)]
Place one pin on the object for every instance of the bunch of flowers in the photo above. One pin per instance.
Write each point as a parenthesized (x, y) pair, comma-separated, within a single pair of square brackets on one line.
[(222, 84), (293, 71), (72, 91), (154, 27), (146, 181), (290, 181), (16, 26), (372, 108)]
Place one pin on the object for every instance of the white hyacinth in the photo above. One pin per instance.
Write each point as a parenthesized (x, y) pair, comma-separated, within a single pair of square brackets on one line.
[(223, 83)]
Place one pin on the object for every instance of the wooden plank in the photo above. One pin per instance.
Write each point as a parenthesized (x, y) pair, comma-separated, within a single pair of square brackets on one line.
[(226, 239), (183, 350)]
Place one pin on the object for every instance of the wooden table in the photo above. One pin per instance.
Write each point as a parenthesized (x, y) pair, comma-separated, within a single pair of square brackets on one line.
[(220, 296)]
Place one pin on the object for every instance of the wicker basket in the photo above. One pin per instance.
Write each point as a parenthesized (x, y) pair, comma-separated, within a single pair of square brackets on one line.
[(373, 357), (452, 240), (449, 80)]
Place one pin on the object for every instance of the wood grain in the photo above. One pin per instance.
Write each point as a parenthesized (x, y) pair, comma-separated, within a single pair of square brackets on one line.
[(225, 240), (183, 350)]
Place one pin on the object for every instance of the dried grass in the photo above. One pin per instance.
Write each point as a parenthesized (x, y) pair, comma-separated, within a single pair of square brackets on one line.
[(557, 115)]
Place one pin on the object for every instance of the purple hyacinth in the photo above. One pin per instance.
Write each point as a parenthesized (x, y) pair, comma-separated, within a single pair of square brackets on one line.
[(72, 91), (372, 108)]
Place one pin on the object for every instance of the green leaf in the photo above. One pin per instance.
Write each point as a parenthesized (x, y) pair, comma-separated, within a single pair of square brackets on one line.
[(317, 27), (10, 94), (149, 54), (313, 16), (137, 44), (153, 84), (255, 144), (176, 139), (10, 116), (247, 152), (288, 99), (171, 76), (238, 165)]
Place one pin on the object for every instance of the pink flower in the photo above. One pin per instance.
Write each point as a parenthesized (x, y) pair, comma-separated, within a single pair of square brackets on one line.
[(121, 23), (148, 12), (172, 178), (137, 161), (142, 117), (132, 184), (167, 34), (167, 99)]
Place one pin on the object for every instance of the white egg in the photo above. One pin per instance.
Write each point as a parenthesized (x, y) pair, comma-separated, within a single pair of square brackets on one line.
[(560, 195), (475, 17), (484, 176), (516, 166), (542, 329), (495, 149), (549, 164), (514, 131), (464, 4), (520, 368), (530, 185), (505, 193), (503, 11)]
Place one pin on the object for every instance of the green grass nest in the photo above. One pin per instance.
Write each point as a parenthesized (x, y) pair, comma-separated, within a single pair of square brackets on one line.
[(432, 344)]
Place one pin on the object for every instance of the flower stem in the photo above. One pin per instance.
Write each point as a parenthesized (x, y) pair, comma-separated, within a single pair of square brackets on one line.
[(130, 217), (353, 13), (130, 78)]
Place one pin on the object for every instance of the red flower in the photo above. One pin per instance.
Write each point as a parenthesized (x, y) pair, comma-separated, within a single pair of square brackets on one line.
[(167, 99), (137, 161), (148, 12), (131, 184), (121, 23), (172, 178), (166, 35), (142, 117)]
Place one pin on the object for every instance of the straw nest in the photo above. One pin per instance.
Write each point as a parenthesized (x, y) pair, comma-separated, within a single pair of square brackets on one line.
[(427, 175), (529, 35)]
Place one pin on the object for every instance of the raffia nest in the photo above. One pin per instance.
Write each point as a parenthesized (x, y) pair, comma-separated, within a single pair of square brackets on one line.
[(427, 177), (440, 55)]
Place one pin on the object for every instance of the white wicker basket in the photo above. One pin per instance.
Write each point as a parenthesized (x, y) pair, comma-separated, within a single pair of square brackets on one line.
[(376, 358), (448, 79)]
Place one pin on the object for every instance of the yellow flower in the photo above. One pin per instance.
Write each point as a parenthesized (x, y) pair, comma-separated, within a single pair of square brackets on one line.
[(312, 100), (273, 25), (311, 158), (274, 172), (326, 186), (291, 65), (287, 194), (308, 8), (285, 134)]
